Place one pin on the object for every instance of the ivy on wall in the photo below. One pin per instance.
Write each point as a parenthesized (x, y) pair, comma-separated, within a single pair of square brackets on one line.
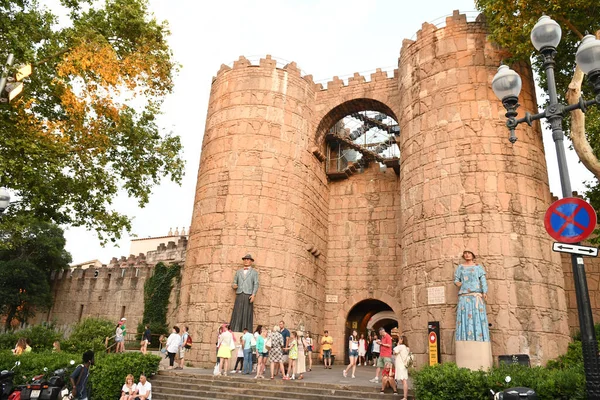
[(157, 291)]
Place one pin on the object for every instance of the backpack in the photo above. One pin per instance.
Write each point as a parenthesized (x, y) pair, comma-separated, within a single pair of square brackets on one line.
[(410, 360), (188, 342)]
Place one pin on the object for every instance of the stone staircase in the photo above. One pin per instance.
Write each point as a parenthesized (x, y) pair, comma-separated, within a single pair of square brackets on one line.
[(174, 385)]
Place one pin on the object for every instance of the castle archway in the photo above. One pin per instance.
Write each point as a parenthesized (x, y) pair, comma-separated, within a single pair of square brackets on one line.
[(350, 107), (366, 316), (358, 133)]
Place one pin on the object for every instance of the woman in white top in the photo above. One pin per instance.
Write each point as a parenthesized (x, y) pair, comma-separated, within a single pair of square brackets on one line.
[(128, 390), (353, 349), (362, 349), (402, 354), (376, 348), (225, 345), (173, 345)]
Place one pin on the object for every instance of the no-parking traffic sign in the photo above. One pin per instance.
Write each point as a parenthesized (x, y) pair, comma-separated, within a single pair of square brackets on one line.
[(570, 220)]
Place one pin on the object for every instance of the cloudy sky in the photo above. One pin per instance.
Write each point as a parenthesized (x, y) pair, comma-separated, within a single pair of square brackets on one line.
[(324, 37)]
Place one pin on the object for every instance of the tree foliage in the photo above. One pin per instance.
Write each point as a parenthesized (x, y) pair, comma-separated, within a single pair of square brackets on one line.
[(84, 127), (30, 251), (510, 24)]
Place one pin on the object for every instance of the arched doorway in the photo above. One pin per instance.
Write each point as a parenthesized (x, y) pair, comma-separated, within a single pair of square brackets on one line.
[(366, 316)]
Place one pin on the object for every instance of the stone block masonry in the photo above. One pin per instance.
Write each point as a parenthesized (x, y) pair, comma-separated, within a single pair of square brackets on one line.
[(262, 188)]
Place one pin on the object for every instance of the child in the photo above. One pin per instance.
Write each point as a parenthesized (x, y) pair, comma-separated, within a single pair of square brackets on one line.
[(388, 378), (293, 355), (240, 359)]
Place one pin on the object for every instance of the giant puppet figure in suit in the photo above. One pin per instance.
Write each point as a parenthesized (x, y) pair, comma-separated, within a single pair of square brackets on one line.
[(245, 284)]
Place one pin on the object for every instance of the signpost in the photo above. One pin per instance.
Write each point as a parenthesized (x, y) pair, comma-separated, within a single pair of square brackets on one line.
[(575, 249), (570, 220), (434, 343)]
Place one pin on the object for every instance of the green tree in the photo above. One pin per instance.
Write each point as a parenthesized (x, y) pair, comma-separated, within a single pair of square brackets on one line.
[(510, 24), (84, 127), (32, 250)]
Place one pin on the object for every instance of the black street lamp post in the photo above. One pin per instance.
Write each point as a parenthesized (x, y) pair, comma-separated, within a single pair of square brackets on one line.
[(545, 36)]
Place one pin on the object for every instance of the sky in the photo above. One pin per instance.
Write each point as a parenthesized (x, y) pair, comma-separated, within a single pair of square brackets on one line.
[(325, 38)]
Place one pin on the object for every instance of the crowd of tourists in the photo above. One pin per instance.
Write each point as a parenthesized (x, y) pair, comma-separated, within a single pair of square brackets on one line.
[(289, 353)]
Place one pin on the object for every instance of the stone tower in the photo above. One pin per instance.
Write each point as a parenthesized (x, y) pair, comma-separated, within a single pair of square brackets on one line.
[(463, 186), (259, 191), (366, 249)]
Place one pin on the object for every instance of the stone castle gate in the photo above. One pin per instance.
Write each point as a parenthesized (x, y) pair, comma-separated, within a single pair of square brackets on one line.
[(328, 240)]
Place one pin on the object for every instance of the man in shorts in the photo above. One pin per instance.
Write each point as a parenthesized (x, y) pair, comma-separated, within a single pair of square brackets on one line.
[(326, 342), (385, 352)]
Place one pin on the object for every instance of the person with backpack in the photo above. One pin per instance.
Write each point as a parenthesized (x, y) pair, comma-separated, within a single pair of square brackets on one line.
[(80, 377), (186, 344)]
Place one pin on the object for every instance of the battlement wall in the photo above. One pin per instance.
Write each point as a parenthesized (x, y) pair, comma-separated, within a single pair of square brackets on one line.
[(111, 291)]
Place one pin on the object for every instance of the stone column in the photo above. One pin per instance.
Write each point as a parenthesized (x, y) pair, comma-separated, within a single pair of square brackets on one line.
[(465, 186), (259, 191)]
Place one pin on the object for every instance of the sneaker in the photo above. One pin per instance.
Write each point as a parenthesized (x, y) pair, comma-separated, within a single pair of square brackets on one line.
[(344, 373), (353, 377), (239, 372), (233, 371), (359, 364), (374, 380)]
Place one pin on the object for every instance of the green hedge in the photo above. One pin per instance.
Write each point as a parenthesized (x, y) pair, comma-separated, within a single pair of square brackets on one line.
[(89, 334), (107, 375), (448, 382), (33, 363), (41, 336)]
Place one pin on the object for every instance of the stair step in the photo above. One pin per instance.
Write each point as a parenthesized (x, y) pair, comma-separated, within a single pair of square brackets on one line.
[(170, 385), (263, 391), (272, 384)]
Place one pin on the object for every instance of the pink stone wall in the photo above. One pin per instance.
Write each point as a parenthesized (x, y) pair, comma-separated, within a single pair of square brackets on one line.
[(464, 186), (364, 215)]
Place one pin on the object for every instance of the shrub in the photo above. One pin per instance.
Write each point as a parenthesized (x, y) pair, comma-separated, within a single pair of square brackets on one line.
[(572, 359), (108, 375), (8, 340), (447, 381), (89, 334), (34, 363), (41, 337)]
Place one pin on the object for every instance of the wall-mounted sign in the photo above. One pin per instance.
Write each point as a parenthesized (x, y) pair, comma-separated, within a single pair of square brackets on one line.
[(331, 298), (436, 295)]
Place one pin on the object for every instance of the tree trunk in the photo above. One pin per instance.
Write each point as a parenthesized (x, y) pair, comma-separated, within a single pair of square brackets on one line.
[(580, 143), (9, 317)]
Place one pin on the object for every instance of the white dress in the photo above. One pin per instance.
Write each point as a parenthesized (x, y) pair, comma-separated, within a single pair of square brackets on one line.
[(362, 347), (401, 352)]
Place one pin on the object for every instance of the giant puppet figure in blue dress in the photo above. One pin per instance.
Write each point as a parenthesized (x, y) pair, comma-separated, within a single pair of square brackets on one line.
[(473, 346)]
